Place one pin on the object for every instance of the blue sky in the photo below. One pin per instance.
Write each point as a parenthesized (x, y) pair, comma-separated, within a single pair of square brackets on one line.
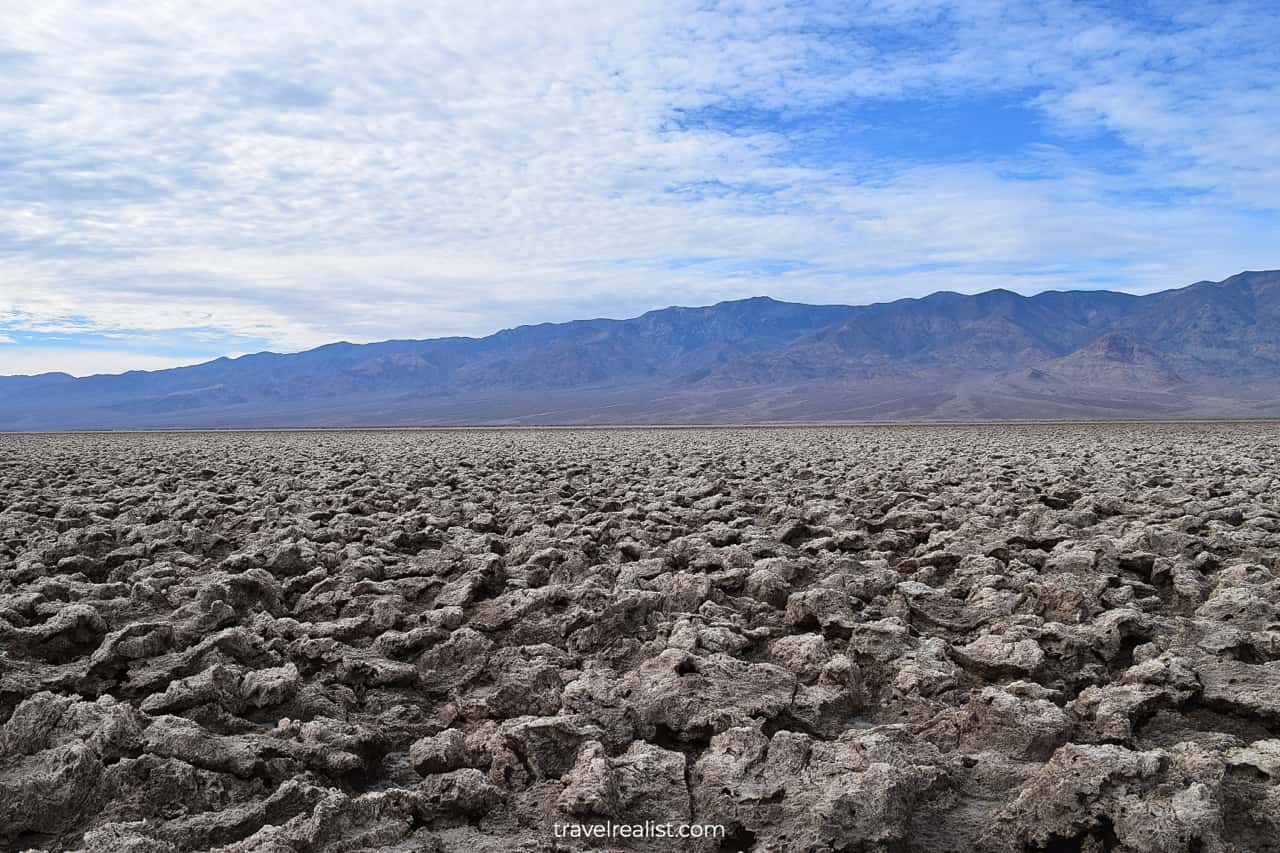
[(180, 181)]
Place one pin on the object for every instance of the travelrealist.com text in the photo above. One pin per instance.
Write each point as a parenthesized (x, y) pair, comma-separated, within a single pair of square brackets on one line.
[(647, 829)]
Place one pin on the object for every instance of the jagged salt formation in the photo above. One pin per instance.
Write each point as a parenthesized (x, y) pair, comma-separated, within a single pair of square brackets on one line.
[(883, 639)]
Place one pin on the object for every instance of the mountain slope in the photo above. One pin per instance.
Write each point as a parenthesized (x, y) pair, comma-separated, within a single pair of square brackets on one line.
[(1112, 361), (1222, 329), (945, 334), (1209, 349)]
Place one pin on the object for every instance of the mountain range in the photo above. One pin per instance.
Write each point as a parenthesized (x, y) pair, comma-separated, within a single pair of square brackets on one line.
[(1208, 350)]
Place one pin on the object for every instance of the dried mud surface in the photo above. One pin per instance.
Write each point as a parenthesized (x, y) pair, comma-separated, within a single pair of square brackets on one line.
[(1034, 638)]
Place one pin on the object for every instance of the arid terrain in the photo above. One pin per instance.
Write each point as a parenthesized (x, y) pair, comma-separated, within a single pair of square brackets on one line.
[(895, 639)]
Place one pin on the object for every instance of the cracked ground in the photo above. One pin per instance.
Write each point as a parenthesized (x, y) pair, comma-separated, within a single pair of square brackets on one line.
[(898, 639)]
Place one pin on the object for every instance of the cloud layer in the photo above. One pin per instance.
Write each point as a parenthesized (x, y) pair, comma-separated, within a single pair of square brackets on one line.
[(194, 178)]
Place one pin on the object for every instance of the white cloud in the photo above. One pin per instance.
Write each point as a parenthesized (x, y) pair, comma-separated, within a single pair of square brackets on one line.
[(7, 339), (452, 168)]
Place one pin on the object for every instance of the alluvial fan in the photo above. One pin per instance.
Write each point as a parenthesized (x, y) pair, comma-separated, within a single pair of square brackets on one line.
[(948, 638)]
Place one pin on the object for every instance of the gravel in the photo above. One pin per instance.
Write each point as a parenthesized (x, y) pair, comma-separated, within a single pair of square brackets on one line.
[(946, 638)]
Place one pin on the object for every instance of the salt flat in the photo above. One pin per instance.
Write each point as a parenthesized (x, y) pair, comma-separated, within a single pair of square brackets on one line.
[(1002, 638)]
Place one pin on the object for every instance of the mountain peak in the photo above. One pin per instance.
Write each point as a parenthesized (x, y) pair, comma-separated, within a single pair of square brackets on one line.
[(1113, 347)]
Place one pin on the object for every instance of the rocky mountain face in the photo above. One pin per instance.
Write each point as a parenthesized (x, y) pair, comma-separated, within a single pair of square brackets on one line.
[(1207, 350)]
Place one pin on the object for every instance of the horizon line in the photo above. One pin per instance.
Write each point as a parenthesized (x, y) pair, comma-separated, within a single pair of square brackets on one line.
[(628, 319)]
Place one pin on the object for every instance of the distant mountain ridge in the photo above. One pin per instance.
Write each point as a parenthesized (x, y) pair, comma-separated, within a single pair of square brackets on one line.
[(1211, 349)]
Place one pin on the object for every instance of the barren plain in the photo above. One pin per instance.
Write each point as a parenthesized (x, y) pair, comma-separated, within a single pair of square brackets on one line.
[(944, 638)]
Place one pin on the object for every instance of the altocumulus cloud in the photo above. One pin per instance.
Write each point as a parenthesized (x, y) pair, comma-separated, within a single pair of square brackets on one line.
[(188, 179)]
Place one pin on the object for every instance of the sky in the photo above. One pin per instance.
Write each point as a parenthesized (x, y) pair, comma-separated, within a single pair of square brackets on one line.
[(181, 181)]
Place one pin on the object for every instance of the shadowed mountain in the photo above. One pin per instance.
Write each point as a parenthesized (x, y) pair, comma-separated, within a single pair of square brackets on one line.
[(946, 334), (1113, 360), (1227, 329), (1207, 350)]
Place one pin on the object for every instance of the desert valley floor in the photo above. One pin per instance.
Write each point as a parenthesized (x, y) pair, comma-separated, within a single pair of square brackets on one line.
[(897, 639)]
